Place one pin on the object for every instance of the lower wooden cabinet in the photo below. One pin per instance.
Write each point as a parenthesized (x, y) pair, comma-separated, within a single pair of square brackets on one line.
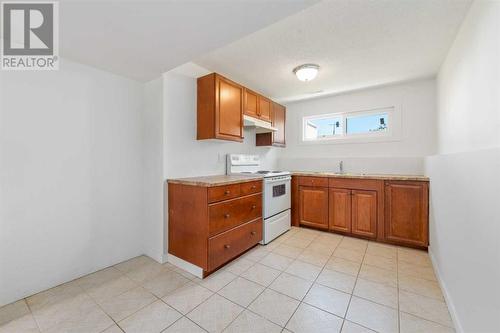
[(339, 209), (406, 212), (364, 213), (313, 209)]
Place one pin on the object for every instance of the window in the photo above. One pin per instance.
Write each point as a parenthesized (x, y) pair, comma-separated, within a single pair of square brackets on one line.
[(348, 125)]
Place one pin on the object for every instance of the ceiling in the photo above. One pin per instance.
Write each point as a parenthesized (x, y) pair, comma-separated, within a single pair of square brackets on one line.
[(142, 39), (357, 43)]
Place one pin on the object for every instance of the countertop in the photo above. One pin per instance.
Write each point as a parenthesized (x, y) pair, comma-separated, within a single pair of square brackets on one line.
[(361, 175), (209, 181)]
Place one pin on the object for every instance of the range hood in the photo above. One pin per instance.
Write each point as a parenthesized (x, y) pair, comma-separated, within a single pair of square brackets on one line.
[(260, 125)]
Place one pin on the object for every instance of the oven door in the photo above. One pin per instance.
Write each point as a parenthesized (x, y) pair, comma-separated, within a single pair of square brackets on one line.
[(276, 195)]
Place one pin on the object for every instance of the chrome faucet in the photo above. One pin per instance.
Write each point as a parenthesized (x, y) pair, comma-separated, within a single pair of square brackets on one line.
[(341, 167)]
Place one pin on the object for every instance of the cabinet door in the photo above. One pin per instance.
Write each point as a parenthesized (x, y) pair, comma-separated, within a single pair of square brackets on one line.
[(279, 122), (313, 206), (364, 213), (339, 210), (264, 108), (406, 212), (251, 104), (230, 106)]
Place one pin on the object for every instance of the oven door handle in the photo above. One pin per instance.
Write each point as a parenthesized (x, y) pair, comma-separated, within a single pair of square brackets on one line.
[(277, 180)]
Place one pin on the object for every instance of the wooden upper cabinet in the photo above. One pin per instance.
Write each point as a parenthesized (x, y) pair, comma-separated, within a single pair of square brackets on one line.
[(313, 206), (340, 210), (251, 105), (219, 108), (406, 212), (276, 138), (264, 110), (364, 213)]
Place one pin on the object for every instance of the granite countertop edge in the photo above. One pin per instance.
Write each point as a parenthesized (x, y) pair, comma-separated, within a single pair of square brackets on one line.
[(361, 176)]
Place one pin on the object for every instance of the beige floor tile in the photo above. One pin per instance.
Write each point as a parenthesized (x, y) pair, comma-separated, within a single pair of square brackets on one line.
[(113, 329), (276, 261), (381, 262), (145, 272), (133, 263), (153, 318), (424, 307), (187, 297), (92, 320), (241, 291), (343, 266), (412, 324), (310, 319), (261, 274), (13, 311), (298, 241), (382, 250), (322, 247), (328, 299), (352, 255), (165, 283), (238, 266), (217, 280), (215, 314), (274, 306), (288, 251), (314, 258), (248, 322), (377, 292), (256, 254), (423, 272), (337, 280), (350, 327), (124, 305), (420, 286), (372, 315), (111, 289), (99, 278), (304, 270), (54, 296), (416, 257), (355, 244), (291, 285), (20, 324), (184, 325), (379, 275)]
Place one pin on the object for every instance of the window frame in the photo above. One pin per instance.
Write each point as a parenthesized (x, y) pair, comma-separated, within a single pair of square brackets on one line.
[(391, 134)]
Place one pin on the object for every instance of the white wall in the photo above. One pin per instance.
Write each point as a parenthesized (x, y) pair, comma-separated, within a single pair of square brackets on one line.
[(70, 175), (416, 100), (465, 181)]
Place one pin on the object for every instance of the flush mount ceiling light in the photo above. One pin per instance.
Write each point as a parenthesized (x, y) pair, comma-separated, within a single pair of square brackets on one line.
[(306, 72)]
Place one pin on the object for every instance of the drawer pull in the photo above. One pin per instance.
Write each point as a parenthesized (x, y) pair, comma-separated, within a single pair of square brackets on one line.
[(254, 187), (226, 216), (227, 246), (254, 206), (227, 192), (253, 233)]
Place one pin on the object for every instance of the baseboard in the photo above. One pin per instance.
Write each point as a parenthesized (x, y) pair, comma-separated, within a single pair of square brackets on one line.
[(187, 266), (447, 297)]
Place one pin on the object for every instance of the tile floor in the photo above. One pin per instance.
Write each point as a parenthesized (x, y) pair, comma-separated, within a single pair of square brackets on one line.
[(305, 281)]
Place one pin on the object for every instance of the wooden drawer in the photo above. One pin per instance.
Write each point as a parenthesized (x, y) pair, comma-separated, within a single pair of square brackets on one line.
[(313, 181), (251, 187), (228, 214), (232, 243), (219, 193)]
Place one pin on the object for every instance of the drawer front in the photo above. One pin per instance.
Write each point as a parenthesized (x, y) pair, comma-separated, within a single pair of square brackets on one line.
[(251, 187), (228, 214), (219, 193), (313, 181), (232, 243)]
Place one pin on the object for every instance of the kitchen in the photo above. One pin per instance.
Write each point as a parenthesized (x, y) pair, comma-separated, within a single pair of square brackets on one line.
[(295, 177)]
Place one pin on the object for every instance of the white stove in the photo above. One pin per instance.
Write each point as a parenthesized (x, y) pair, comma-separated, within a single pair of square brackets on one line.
[(276, 193)]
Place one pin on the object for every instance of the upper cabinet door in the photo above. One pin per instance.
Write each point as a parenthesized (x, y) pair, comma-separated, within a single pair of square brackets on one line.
[(230, 109), (339, 210), (251, 105), (264, 109), (406, 212), (279, 116), (364, 213)]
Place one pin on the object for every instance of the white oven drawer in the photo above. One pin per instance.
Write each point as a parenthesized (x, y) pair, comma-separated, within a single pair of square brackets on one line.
[(275, 226)]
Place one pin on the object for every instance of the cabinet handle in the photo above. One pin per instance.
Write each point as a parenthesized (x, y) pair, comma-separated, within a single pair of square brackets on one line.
[(226, 216), (254, 187), (227, 192), (253, 233), (227, 246), (254, 206)]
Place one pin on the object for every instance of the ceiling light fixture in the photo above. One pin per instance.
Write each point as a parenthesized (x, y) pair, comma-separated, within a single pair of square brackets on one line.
[(306, 72)]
